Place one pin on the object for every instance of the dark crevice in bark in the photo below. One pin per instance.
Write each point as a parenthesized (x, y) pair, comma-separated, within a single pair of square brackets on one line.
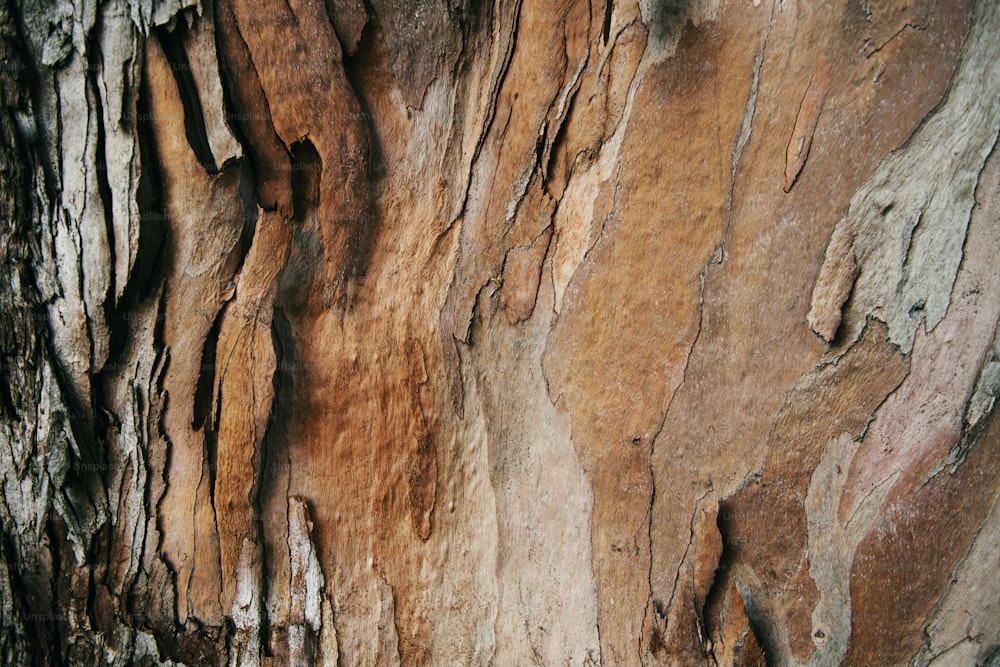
[(331, 13), (54, 617), (717, 608), (274, 451), (558, 140), (722, 582), (355, 66), (149, 268), (366, 43), (537, 167), (974, 426), (31, 586), (99, 555), (101, 168), (609, 7), (7, 407), (193, 644), (655, 642), (760, 628), (839, 342), (204, 399), (114, 317), (194, 119), (248, 114), (155, 503), (211, 441), (29, 90), (79, 425), (248, 190), (496, 85), (160, 345), (472, 24), (307, 168), (19, 312)]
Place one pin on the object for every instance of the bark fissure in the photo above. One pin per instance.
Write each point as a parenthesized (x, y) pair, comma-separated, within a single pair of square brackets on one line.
[(365, 332), (873, 50), (194, 121)]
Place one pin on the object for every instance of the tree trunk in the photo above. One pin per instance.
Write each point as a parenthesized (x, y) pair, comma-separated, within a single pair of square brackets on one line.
[(655, 332)]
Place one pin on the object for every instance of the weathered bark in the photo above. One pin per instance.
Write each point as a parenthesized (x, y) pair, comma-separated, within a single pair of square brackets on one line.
[(445, 332)]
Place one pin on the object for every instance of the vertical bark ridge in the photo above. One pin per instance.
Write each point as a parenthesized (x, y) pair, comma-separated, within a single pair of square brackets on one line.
[(372, 332)]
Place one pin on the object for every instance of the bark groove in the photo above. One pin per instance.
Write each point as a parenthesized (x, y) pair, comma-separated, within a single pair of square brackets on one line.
[(533, 332)]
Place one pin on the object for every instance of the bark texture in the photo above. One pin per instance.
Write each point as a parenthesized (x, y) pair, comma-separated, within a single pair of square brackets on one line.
[(624, 332)]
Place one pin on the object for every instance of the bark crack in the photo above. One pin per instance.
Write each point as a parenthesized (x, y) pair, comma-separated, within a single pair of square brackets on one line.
[(626, 113), (943, 598), (614, 204), (609, 6), (104, 191), (194, 119), (873, 50), (497, 80), (743, 139), (863, 433)]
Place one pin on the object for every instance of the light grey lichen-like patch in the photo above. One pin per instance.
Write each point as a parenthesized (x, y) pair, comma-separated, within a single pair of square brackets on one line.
[(984, 396), (245, 650), (832, 547), (59, 37), (146, 652), (119, 68), (64, 25), (896, 253), (306, 584), (82, 118)]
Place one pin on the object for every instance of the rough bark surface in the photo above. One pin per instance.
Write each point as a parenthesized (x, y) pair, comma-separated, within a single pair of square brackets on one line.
[(635, 332)]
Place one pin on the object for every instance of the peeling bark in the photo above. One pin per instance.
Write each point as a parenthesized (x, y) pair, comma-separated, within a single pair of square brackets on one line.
[(627, 333)]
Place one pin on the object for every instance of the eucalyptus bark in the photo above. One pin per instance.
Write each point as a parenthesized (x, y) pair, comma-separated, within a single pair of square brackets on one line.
[(527, 332)]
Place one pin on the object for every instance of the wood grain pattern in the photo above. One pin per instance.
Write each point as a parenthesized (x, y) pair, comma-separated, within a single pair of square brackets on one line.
[(447, 332)]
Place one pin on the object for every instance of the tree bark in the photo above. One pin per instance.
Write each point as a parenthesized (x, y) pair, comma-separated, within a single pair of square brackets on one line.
[(656, 332)]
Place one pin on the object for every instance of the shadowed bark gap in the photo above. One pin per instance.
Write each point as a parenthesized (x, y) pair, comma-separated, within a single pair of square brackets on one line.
[(194, 121), (204, 397), (248, 113), (307, 167)]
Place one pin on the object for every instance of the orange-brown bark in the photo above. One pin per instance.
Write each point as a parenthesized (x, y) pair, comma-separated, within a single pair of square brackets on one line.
[(627, 333)]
